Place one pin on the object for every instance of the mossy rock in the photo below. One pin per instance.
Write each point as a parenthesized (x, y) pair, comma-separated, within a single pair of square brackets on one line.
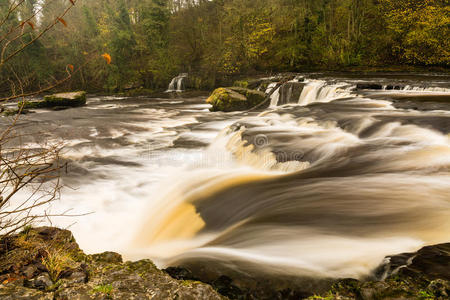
[(46, 263), (224, 99), (73, 99), (254, 97), (235, 99)]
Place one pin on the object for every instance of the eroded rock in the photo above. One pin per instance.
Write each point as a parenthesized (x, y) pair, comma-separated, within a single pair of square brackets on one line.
[(27, 273)]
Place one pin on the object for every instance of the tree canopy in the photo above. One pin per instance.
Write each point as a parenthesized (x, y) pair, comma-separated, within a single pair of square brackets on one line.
[(151, 41)]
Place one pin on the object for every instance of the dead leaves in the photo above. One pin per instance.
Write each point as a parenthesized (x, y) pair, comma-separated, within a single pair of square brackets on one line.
[(107, 57)]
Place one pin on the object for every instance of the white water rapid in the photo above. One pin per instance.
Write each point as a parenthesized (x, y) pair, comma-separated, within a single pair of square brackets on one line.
[(326, 186)]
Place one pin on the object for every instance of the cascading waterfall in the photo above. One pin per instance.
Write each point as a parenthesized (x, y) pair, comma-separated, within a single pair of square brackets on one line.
[(313, 91), (177, 84), (321, 91), (335, 199), (426, 89), (297, 190), (275, 97)]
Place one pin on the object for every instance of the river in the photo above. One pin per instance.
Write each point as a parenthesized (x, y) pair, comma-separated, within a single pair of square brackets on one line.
[(325, 186)]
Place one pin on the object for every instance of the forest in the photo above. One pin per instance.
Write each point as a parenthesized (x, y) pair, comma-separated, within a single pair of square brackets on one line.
[(225, 149), (151, 41)]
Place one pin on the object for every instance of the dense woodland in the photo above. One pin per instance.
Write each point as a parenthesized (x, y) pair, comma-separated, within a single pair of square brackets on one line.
[(150, 41)]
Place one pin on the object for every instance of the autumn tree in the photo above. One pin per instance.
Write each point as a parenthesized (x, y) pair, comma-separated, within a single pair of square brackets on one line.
[(420, 30)]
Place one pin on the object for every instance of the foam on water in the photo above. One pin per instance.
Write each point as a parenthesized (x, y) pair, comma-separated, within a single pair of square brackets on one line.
[(318, 190)]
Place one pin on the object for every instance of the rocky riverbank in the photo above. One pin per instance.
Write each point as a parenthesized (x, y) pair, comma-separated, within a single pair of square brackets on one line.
[(46, 263)]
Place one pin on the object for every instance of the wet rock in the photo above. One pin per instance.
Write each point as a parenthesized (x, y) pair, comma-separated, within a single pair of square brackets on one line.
[(420, 275), (42, 282), (394, 87), (73, 99), (77, 292), (30, 271), (369, 86), (108, 257), (80, 276), (180, 273), (223, 99), (235, 99), (225, 286), (17, 292), (290, 92), (440, 288), (76, 277), (430, 263)]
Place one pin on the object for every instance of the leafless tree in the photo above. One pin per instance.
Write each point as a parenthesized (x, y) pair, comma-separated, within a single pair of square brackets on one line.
[(29, 174)]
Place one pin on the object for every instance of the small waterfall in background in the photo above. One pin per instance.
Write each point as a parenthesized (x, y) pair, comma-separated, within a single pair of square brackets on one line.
[(178, 84)]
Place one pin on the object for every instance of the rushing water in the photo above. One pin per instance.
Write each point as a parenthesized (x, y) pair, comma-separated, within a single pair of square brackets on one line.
[(324, 186)]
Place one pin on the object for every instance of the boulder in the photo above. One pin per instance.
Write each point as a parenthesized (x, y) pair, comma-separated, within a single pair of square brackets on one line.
[(73, 99), (235, 99), (431, 262), (224, 99), (424, 274), (46, 263)]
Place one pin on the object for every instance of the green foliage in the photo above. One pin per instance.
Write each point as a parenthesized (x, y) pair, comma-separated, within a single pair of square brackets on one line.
[(26, 229), (106, 289), (420, 29), (151, 41), (57, 261), (425, 295)]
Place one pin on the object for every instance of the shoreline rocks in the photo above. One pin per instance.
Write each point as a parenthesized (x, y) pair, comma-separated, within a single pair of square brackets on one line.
[(46, 263)]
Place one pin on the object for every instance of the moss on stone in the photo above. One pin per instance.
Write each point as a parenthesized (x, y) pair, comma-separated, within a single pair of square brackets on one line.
[(234, 99), (254, 97), (24, 273), (224, 99), (73, 99)]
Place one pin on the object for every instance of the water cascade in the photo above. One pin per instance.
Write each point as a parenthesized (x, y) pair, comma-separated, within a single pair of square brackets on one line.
[(305, 189), (321, 91), (178, 83)]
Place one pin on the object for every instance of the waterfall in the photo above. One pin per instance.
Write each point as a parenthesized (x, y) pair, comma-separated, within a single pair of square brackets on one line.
[(275, 97), (426, 89), (321, 91), (310, 91), (178, 83), (172, 84), (270, 87)]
